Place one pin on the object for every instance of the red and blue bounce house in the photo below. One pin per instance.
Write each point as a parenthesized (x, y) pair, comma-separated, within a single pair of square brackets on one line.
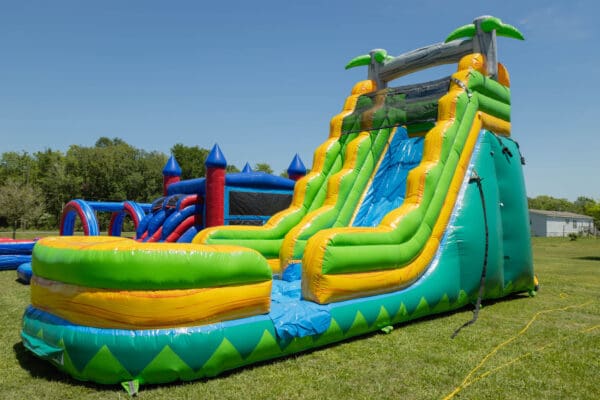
[(188, 206)]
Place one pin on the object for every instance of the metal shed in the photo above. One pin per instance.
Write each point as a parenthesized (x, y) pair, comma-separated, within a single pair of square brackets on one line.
[(559, 223)]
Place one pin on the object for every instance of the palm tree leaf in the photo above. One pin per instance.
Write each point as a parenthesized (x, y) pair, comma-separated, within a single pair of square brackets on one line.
[(380, 56), (464, 31), (491, 23), (510, 31), (359, 61)]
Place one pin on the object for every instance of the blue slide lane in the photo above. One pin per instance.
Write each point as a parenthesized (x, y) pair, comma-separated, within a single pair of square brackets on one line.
[(389, 184)]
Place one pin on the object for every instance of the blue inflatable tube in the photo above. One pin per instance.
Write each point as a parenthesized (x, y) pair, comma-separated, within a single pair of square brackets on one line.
[(24, 273), (13, 261), (175, 219), (143, 225), (188, 235), (155, 223), (130, 208), (15, 247), (189, 186), (79, 208), (259, 180)]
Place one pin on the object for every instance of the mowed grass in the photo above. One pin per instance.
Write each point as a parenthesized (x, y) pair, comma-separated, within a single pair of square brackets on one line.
[(556, 356)]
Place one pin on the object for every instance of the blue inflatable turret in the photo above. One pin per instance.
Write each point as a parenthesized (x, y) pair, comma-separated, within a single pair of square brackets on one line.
[(247, 168), (215, 159), (296, 170), (171, 173)]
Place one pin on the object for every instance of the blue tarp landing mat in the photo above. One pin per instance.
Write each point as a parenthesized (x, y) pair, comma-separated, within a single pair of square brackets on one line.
[(293, 317), (388, 188)]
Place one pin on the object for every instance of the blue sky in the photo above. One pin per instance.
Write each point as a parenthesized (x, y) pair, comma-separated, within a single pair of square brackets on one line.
[(263, 78)]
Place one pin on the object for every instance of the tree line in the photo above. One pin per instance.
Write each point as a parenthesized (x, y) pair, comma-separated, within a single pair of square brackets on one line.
[(35, 187)]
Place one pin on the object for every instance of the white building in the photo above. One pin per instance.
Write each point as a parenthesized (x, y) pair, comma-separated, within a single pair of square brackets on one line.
[(559, 223)]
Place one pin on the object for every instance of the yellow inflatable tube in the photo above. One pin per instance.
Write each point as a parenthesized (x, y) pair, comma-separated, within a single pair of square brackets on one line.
[(141, 309)]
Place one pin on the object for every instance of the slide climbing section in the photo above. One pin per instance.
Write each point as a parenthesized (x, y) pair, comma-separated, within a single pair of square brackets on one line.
[(414, 205)]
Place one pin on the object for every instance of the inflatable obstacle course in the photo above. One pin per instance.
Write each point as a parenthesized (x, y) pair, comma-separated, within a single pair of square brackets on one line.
[(416, 189)]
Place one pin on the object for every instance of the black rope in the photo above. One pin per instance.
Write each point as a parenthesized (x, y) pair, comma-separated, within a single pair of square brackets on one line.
[(477, 179)]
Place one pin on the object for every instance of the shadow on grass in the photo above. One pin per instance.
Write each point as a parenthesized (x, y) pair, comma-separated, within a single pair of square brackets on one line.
[(42, 369), (588, 258)]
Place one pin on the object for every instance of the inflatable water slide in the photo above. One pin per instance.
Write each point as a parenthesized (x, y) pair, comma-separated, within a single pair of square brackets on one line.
[(415, 204)]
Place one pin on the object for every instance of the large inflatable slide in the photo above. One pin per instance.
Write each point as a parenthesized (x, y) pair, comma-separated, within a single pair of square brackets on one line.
[(415, 205)]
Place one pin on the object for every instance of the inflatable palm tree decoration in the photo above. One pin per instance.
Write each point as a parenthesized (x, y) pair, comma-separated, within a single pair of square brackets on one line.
[(483, 33), (377, 55), (488, 24), (477, 37)]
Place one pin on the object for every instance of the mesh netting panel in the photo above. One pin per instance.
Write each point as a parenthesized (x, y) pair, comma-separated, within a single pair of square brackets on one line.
[(414, 106)]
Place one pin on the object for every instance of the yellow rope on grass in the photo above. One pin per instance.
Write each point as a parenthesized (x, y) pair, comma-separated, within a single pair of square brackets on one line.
[(468, 381)]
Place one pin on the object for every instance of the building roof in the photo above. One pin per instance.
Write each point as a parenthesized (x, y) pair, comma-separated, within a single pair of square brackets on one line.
[(560, 214)]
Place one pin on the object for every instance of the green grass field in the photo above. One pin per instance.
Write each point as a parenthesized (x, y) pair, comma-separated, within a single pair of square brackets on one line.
[(546, 347)]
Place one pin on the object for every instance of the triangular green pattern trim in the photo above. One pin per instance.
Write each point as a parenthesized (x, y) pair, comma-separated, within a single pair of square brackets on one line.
[(463, 298), (391, 305), (244, 338), (401, 315), (333, 334), (344, 316), (370, 310), (359, 326), (299, 344), (68, 365), (508, 288), (105, 368), (40, 334), (136, 364), (167, 366), (266, 348), (422, 309), (195, 350), (383, 319), (494, 292), (225, 357), (85, 354), (443, 305)]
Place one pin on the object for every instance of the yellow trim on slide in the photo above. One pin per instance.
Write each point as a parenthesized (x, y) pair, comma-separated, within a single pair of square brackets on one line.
[(275, 265), (335, 130), (286, 253), (104, 308), (324, 288)]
